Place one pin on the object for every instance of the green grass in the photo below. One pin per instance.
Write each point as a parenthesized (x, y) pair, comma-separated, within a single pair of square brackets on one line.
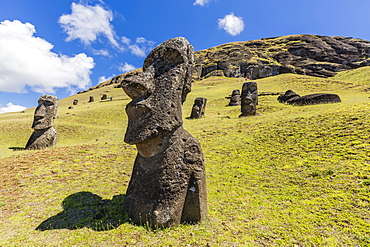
[(292, 176), (359, 76)]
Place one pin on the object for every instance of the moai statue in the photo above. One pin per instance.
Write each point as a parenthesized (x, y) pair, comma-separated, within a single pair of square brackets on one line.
[(198, 108), (249, 99), (104, 97), (234, 98), (75, 102), (44, 134), (168, 181), (91, 99)]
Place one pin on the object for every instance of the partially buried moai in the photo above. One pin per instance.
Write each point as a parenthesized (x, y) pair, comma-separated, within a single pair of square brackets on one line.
[(234, 98), (249, 99), (44, 134), (199, 107), (168, 181)]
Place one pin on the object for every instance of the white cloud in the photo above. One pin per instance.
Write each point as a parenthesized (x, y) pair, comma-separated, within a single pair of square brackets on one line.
[(27, 61), (102, 52), (141, 47), (201, 2), (232, 24), (104, 79), (12, 108), (87, 23), (126, 68)]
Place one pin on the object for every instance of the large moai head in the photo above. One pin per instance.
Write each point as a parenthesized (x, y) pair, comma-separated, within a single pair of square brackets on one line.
[(158, 92), (249, 99), (45, 112)]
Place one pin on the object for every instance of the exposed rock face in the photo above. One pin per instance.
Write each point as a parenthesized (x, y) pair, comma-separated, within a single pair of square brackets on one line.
[(302, 54), (249, 99), (44, 134), (287, 96), (234, 98), (167, 185), (314, 99), (199, 108)]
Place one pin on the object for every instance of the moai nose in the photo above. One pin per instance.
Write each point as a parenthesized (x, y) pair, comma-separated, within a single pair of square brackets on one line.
[(40, 111)]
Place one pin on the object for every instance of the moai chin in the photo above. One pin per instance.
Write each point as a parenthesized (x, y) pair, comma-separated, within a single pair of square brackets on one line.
[(168, 181), (199, 106), (249, 99), (44, 134)]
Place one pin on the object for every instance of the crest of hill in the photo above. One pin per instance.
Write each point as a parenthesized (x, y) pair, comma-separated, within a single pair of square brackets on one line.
[(305, 54), (313, 55)]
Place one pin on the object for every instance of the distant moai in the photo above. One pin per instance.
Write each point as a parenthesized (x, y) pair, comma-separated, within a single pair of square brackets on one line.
[(290, 94), (249, 99), (91, 99), (199, 106), (104, 97), (44, 134), (75, 102), (234, 98), (168, 181), (290, 97)]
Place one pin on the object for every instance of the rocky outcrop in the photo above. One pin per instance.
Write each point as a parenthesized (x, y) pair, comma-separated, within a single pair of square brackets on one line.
[(313, 55)]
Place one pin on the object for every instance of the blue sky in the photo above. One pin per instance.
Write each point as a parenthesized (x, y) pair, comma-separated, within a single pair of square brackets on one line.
[(65, 46)]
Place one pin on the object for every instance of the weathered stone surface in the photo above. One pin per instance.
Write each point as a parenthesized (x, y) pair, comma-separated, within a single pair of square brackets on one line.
[(104, 97), (314, 55), (283, 98), (167, 185), (249, 99), (235, 98), (314, 99), (91, 99), (75, 102), (44, 134), (199, 107)]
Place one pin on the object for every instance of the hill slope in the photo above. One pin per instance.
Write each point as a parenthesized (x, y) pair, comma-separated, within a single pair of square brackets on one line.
[(291, 176)]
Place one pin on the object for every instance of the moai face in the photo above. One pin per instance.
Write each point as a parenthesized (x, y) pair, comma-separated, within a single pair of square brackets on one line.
[(45, 112), (198, 108), (249, 99), (158, 92), (250, 87)]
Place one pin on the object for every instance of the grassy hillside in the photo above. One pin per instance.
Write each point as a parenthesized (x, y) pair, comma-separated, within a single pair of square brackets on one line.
[(292, 176)]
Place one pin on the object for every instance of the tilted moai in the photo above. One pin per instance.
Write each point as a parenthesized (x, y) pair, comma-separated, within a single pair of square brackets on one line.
[(168, 181), (75, 102), (104, 97), (249, 99), (91, 99), (234, 98), (44, 134), (199, 106)]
